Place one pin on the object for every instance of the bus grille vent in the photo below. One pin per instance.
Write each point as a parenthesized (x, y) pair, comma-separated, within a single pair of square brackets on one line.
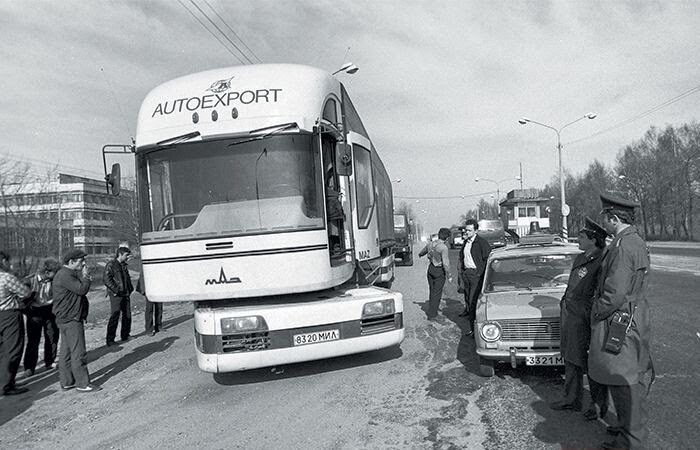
[(376, 325), (248, 342)]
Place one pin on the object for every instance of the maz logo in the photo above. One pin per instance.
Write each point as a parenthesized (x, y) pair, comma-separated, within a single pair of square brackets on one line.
[(222, 279)]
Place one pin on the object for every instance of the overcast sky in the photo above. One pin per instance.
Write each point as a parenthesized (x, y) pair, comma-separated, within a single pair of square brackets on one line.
[(440, 89)]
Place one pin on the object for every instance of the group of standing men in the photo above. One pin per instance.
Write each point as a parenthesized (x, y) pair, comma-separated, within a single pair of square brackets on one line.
[(473, 256), (55, 302), (606, 326)]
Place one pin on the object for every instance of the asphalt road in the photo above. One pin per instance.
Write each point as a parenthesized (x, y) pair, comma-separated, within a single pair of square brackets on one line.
[(425, 395)]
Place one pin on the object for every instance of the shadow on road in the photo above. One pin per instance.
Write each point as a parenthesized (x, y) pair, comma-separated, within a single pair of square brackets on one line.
[(44, 384), (568, 429), (102, 375), (307, 368)]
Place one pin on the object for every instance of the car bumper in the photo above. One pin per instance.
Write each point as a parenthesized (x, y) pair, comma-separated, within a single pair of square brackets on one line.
[(515, 355)]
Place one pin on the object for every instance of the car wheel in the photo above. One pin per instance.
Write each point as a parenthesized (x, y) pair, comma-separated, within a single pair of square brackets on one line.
[(409, 261), (486, 368)]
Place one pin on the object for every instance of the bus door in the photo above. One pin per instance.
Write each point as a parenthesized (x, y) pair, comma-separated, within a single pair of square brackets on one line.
[(364, 205), (337, 204)]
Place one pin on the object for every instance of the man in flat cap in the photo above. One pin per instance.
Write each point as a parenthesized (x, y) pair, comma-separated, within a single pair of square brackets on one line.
[(576, 319), (70, 306), (619, 359)]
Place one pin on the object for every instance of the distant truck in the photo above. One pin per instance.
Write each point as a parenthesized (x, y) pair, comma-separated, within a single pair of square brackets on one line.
[(457, 237), (403, 234), (492, 230)]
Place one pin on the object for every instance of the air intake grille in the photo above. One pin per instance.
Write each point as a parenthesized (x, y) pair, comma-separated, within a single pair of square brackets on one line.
[(531, 330), (378, 325), (248, 342)]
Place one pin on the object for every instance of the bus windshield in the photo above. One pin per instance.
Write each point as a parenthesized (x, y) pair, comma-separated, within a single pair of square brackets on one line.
[(213, 187)]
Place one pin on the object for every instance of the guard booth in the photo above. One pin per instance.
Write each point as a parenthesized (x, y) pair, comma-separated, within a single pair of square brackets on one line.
[(521, 207)]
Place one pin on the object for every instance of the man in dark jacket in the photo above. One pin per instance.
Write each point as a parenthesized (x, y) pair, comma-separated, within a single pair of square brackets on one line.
[(70, 306), (619, 359), (472, 266), (576, 319), (118, 282)]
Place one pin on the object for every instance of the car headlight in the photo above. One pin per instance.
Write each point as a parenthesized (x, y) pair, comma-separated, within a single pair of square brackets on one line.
[(378, 308), (491, 331), (242, 324)]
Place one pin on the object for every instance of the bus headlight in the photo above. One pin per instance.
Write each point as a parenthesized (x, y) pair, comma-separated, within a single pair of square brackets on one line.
[(242, 324), (378, 308), (491, 331)]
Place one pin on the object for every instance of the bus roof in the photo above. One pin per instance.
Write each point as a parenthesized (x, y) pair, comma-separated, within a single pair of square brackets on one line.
[(234, 100)]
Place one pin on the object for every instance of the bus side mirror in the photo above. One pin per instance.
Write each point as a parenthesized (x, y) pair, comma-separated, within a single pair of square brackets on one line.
[(344, 158), (113, 179)]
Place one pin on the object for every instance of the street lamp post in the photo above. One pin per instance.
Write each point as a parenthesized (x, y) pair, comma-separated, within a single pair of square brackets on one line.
[(497, 183), (564, 206)]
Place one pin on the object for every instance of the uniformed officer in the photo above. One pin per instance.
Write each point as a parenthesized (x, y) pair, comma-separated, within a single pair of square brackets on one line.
[(620, 361), (576, 318)]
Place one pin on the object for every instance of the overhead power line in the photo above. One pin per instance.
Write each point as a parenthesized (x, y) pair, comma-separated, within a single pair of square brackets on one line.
[(210, 32), (234, 33), (447, 197), (33, 162), (206, 16), (640, 115)]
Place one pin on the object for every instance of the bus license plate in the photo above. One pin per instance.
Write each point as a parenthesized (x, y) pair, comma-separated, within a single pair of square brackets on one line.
[(555, 360), (316, 337)]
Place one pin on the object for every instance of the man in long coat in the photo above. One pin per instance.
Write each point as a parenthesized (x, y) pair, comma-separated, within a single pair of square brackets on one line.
[(627, 372), (576, 317)]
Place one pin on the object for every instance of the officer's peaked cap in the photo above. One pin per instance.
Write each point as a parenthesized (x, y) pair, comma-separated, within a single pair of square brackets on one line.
[(595, 228), (611, 202)]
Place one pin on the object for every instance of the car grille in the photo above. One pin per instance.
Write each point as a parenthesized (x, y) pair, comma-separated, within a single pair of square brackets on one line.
[(530, 330), (247, 342)]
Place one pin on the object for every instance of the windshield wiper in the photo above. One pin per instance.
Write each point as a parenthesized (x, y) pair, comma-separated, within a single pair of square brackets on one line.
[(178, 139), (270, 131)]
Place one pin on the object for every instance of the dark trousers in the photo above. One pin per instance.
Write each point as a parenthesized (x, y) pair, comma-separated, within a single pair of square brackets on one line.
[(119, 306), (631, 414), (11, 345), (573, 384), (40, 319), (599, 395), (72, 357), (436, 281), (470, 280), (154, 316)]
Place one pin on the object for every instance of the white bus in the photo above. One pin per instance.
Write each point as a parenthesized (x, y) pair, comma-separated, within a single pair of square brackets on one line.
[(263, 200)]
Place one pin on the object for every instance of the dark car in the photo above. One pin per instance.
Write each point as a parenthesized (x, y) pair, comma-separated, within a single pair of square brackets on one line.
[(511, 236), (492, 230)]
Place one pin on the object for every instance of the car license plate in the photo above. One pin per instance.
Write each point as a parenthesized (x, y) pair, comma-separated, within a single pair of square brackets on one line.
[(552, 360), (316, 337)]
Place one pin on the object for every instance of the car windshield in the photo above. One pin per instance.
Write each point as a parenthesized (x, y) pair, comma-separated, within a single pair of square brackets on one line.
[(212, 187), (528, 272)]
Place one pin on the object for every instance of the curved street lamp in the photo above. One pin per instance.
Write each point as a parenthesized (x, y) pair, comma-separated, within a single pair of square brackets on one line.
[(564, 206), (347, 68), (497, 183)]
